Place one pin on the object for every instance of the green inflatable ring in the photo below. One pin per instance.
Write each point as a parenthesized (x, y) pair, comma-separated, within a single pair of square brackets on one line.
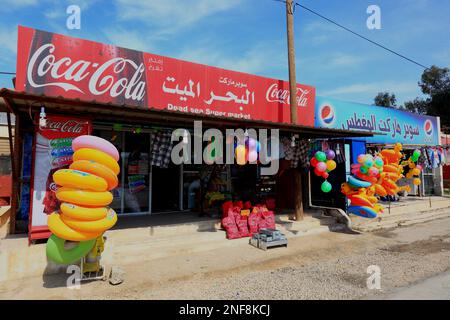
[(57, 253)]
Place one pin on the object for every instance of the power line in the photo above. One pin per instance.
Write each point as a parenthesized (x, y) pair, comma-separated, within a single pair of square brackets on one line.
[(357, 34), (4, 72)]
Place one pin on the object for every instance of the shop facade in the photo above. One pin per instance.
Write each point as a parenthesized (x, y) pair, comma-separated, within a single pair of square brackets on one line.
[(389, 127), (135, 100)]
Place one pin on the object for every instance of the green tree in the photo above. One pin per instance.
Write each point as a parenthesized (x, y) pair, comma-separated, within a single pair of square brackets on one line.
[(435, 85), (385, 99)]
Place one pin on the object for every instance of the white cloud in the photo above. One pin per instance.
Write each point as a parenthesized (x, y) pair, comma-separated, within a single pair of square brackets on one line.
[(263, 59), (18, 3), (8, 39), (373, 88), (172, 15), (128, 39)]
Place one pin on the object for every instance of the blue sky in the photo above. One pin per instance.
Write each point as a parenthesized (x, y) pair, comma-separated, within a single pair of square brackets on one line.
[(249, 36)]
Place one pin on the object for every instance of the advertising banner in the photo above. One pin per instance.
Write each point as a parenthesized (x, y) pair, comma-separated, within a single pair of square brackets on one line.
[(389, 125), (52, 151), (58, 65)]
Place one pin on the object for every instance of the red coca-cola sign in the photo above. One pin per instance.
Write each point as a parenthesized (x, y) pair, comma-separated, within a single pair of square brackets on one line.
[(54, 65), (63, 126)]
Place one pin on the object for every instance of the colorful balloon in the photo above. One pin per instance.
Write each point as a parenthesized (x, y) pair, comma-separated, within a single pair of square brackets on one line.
[(321, 167), (361, 158), (326, 186), (331, 165), (363, 169), (320, 156), (325, 175), (240, 155), (417, 181), (314, 162), (330, 154)]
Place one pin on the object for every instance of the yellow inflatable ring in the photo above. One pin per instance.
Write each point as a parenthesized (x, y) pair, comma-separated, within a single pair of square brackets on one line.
[(83, 213), (61, 230), (79, 179), (92, 226), (97, 156), (83, 197), (97, 169)]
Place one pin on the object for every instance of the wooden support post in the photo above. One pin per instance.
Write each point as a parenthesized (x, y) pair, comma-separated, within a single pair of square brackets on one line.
[(290, 6)]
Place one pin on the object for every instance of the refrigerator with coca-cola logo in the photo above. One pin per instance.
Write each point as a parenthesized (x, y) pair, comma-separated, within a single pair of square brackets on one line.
[(52, 150)]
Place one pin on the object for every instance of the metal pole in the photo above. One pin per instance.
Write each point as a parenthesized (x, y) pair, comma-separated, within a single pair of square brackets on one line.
[(290, 7)]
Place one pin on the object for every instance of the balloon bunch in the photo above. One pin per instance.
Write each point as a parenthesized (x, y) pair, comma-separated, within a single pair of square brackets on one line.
[(377, 176), (323, 164), (247, 152)]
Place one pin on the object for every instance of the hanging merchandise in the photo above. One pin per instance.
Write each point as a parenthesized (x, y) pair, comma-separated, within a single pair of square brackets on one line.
[(323, 164), (377, 176), (162, 149)]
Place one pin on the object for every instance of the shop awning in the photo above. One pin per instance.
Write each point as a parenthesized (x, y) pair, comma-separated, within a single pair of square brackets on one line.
[(25, 102)]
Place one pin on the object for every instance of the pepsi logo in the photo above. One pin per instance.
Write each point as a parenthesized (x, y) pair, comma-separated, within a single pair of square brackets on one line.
[(327, 114), (428, 127)]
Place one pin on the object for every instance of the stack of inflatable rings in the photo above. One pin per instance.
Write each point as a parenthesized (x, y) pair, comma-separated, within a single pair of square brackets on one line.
[(83, 190)]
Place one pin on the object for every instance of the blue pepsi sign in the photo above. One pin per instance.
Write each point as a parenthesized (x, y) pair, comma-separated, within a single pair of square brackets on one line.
[(388, 125)]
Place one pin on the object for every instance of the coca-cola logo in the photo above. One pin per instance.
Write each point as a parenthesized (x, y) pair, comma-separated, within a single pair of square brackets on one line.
[(276, 94), (69, 126), (100, 77)]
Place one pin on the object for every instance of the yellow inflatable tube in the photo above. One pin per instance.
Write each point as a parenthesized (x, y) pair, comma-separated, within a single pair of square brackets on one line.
[(61, 230), (92, 226), (83, 213), (79, 180), (97, 156), (83, 197), (97, 169)]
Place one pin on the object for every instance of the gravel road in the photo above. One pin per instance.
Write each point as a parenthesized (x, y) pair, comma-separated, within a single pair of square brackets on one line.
[(324, 266)]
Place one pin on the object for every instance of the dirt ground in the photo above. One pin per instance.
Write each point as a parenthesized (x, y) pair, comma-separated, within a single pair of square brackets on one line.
[(323, 266)]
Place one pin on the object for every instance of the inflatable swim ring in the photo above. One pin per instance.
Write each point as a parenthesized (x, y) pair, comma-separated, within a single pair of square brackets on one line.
[(57, 253), (97, 169), (93, 142), (83, 197), (92, 226), (359, 200), (97, 156), (61, 230), (380, 190), (79, 179), (82, 213), (358, 183), (364, 212)]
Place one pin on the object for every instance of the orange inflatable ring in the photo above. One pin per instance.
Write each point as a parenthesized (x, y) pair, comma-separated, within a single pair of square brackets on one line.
[(97, 169), (92, 226), (380, 190), (97, 156), (82, 213), (79, 179), (83, 197), (61, 230)]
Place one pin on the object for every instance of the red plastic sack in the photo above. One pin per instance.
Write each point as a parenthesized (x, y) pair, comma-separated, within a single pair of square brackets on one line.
[(239, 204), (247, 205), (253, 222), (231, 228), (269, 219), (225, 207), (243, 228)]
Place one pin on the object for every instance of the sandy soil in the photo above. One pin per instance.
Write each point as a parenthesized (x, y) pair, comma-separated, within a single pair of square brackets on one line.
[(323, 266)]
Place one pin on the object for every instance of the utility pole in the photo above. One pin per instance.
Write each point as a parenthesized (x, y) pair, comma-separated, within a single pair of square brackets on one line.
[(290, 7)]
